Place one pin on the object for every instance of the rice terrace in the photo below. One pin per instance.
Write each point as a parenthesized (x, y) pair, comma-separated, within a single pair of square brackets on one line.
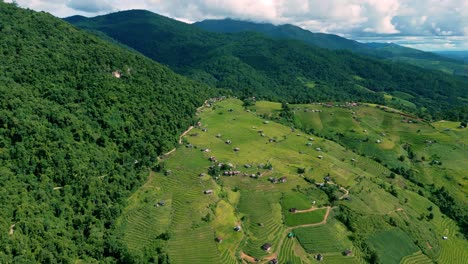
[(208, 132), (245, 186)]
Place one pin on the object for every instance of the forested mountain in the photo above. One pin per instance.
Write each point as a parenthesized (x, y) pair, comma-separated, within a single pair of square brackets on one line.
[(458, 55), (388, 51), (252, 64), (329, 41), (287, 31), (81, 120)]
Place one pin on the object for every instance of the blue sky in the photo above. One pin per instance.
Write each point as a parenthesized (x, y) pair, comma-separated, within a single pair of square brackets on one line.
[(421, 24)]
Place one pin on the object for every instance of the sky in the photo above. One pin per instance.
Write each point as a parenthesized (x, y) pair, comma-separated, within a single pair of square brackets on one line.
[(422, 24)]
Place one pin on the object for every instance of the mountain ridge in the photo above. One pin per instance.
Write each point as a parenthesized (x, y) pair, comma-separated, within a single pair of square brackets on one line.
[(323, 40), (252, 64)]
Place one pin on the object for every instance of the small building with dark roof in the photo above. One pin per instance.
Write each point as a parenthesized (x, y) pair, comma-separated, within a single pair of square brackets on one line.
[(266, 247), (348, 252)]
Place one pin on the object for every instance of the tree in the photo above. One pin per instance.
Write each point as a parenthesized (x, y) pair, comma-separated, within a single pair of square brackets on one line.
[(249, 101)]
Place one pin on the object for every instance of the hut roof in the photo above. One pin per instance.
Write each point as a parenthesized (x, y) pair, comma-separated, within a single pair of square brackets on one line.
[(266, 246)]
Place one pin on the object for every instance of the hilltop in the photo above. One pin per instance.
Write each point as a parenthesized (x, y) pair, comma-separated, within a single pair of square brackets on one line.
[(81, 120), (252, 64)]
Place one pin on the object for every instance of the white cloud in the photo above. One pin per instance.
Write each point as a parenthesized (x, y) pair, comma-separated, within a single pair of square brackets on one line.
[(90, 6), (352, 18), (429, 43)]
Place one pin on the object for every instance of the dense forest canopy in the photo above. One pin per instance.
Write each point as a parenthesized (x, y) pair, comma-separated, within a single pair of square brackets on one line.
[(323, 40), (81, 120), (252, 64)]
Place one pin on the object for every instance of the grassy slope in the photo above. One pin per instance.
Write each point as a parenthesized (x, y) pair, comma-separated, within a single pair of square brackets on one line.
[(392, 245), (256, 204)]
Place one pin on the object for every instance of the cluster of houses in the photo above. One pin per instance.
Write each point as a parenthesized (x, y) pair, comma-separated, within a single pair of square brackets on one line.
[(213, 100), (408, 121), (231, 173), (160, 203), (343, 105), (277, 180), (312, 110)]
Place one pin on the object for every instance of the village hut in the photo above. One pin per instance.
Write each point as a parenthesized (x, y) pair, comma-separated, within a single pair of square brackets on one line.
[(266, 246), (208, 191)]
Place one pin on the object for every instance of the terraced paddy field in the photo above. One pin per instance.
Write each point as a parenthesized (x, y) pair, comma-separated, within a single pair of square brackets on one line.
[(392, 245), (416, 258), (297, 219), (228, 191), (330, 240)]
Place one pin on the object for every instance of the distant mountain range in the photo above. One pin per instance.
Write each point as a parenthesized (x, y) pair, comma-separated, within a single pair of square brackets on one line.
[(253, 64), (329, 41), (448, 64), (458, 55)]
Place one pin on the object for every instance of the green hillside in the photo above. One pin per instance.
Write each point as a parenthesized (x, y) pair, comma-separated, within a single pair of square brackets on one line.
[(454, 67), (81, 120), (432, 156), (252, 64), (390, 51), (327, 41), (360, 209)]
